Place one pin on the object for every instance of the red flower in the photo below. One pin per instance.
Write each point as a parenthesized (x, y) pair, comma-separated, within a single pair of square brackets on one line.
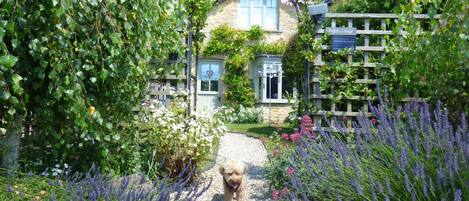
[(374, 121), (275, 195), (290, 171), (285, 136), (295, 136)]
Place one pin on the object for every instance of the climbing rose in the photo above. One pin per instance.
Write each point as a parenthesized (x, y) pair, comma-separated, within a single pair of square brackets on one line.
[(275, 195), (285, 136), (290, 171)]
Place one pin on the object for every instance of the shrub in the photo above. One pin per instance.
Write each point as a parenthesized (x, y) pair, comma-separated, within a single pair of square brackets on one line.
[(401, 154), (178, 138), (248, 115)]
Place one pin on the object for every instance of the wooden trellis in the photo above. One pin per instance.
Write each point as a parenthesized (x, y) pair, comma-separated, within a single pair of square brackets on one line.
[(372, 30)]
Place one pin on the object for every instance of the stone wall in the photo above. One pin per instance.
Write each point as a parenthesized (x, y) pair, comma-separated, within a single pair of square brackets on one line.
[(226, 12), (279, 112)]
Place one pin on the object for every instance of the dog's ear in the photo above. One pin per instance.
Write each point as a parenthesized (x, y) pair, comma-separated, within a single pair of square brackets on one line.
[(245, 168), (221, 170)]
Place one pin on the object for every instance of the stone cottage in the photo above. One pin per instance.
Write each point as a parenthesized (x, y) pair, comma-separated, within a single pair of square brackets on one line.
[(279, 21)]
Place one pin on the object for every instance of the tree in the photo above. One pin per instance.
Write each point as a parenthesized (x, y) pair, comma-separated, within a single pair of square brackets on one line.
[(73, 71)]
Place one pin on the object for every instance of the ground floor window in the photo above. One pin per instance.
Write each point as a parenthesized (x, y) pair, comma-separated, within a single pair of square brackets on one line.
[(271, 83), (209, 75)]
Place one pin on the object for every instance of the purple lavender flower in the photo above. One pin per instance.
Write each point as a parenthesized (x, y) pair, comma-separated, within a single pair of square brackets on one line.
[(9, 188)]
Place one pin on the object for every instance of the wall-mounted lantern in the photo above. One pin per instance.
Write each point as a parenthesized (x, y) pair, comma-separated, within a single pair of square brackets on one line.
[(317, 11), (343, 37)]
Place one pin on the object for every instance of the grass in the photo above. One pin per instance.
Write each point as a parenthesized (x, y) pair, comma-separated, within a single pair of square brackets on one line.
[(258, 130)]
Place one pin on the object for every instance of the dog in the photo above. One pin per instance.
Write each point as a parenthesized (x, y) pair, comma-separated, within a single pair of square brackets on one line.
[(234, 180)]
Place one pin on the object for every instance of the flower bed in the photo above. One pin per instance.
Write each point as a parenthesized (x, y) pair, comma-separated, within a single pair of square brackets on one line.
[(401, 154)]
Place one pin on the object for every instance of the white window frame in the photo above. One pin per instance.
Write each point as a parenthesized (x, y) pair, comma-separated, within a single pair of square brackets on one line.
[(220, 71), (260, 80), (263, 14)]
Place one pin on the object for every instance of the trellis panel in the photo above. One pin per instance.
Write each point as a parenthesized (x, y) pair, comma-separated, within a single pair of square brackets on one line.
[(369, 26)]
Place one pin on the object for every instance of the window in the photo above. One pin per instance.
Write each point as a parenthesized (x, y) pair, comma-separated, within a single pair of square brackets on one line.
[(209, 76), (258, 12), (270, 84)]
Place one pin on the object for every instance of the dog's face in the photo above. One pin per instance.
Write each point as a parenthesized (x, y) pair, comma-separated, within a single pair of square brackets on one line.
[(233, 173)]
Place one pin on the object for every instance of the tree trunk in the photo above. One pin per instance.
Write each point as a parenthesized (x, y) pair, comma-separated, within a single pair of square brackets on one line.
[(12, 145)]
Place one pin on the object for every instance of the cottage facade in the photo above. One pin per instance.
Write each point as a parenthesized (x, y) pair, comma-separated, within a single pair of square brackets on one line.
[(279, 21)]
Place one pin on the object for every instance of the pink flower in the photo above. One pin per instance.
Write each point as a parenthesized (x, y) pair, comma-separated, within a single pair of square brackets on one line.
[(276, 153), (295, 136), (275, 195), (285, 136), (285, 190), (290, 171)]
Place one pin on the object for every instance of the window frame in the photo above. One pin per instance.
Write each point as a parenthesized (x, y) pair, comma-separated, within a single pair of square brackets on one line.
[(250, 9), (199, 78), (261, 79)]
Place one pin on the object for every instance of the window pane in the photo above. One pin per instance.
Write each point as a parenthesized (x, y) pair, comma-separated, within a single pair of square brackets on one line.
[(258, 3), (270, 19), (243, 18), (215, 69), (272, 93), (214, 85), (256, 16), (204, 71), (270, 3), (204, 85), (244, 3), (287, 87)]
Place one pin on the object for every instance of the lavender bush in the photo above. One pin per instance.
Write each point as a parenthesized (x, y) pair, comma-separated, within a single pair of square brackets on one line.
[(407, 153), (95, 186)]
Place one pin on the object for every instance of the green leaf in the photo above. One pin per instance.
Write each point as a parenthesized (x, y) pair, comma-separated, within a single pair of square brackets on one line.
[(4, 95), (108, 125), (16, 78), (8, 61)]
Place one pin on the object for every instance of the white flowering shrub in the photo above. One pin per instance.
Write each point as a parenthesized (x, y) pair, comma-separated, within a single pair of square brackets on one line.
[(248, 115), (179, 138), (225, 114)]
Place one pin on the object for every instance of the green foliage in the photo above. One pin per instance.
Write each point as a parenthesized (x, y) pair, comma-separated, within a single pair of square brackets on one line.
[(225, 40), (238, 48), (342, 76), (434, 60), (277, 48), (256, 33), (75, 70), (198, 11), (366, 6), (31, 188)]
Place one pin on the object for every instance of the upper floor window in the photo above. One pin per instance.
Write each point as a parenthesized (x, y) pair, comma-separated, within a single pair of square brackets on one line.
[(258, 12)]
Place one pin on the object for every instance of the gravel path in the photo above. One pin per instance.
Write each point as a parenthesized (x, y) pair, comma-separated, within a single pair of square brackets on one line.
[(245, 149)]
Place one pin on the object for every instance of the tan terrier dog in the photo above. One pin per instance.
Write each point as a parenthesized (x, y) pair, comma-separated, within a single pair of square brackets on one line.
[(233, 180)]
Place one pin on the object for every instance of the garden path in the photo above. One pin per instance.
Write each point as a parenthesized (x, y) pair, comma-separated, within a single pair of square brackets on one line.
[(251, 151)]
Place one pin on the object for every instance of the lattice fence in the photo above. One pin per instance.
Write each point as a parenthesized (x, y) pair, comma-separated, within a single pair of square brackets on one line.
[(162, 89), (372, 30)]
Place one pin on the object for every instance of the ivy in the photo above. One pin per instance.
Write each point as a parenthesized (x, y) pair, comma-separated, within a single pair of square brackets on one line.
[(240, 48)]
